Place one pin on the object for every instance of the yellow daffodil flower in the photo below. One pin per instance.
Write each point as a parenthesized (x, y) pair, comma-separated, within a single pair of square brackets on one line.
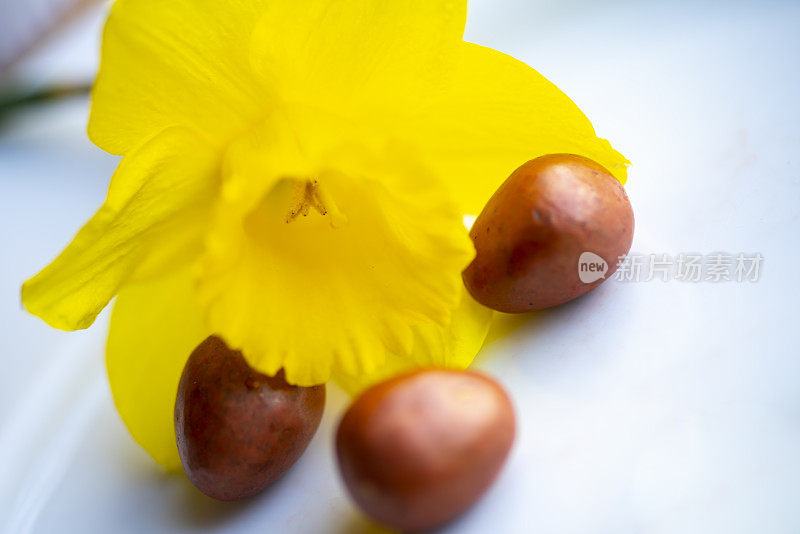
[(294, 178)]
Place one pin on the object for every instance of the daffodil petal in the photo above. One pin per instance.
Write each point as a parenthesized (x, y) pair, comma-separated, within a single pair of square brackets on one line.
[(453, 346), (359, 57), (153, 219), (392, 365), (176, 63), (154, 327), (495, 114)]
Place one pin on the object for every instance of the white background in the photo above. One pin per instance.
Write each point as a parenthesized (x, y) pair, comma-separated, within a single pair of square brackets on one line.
[(644, 407)]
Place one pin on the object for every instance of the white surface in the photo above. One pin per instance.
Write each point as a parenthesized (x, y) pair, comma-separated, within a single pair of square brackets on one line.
[(644, 407)]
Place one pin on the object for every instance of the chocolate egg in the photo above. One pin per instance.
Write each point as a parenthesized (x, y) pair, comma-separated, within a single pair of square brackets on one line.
[(552, 232), (239, 430), (417, 450)]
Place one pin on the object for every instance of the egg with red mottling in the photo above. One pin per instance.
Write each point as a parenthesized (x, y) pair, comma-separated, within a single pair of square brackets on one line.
[(531, 236), (239, 430), (419, 449)]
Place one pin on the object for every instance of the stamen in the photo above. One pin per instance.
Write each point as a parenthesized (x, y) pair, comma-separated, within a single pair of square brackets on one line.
[(312, 194), (338, 219), (298, 199)]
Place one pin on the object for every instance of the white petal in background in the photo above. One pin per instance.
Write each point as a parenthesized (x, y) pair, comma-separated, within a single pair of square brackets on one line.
[(650, 407)]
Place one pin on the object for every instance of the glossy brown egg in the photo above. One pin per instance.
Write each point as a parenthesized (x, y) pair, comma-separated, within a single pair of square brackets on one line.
[(417, 450), (531, 237), (239, 430)]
